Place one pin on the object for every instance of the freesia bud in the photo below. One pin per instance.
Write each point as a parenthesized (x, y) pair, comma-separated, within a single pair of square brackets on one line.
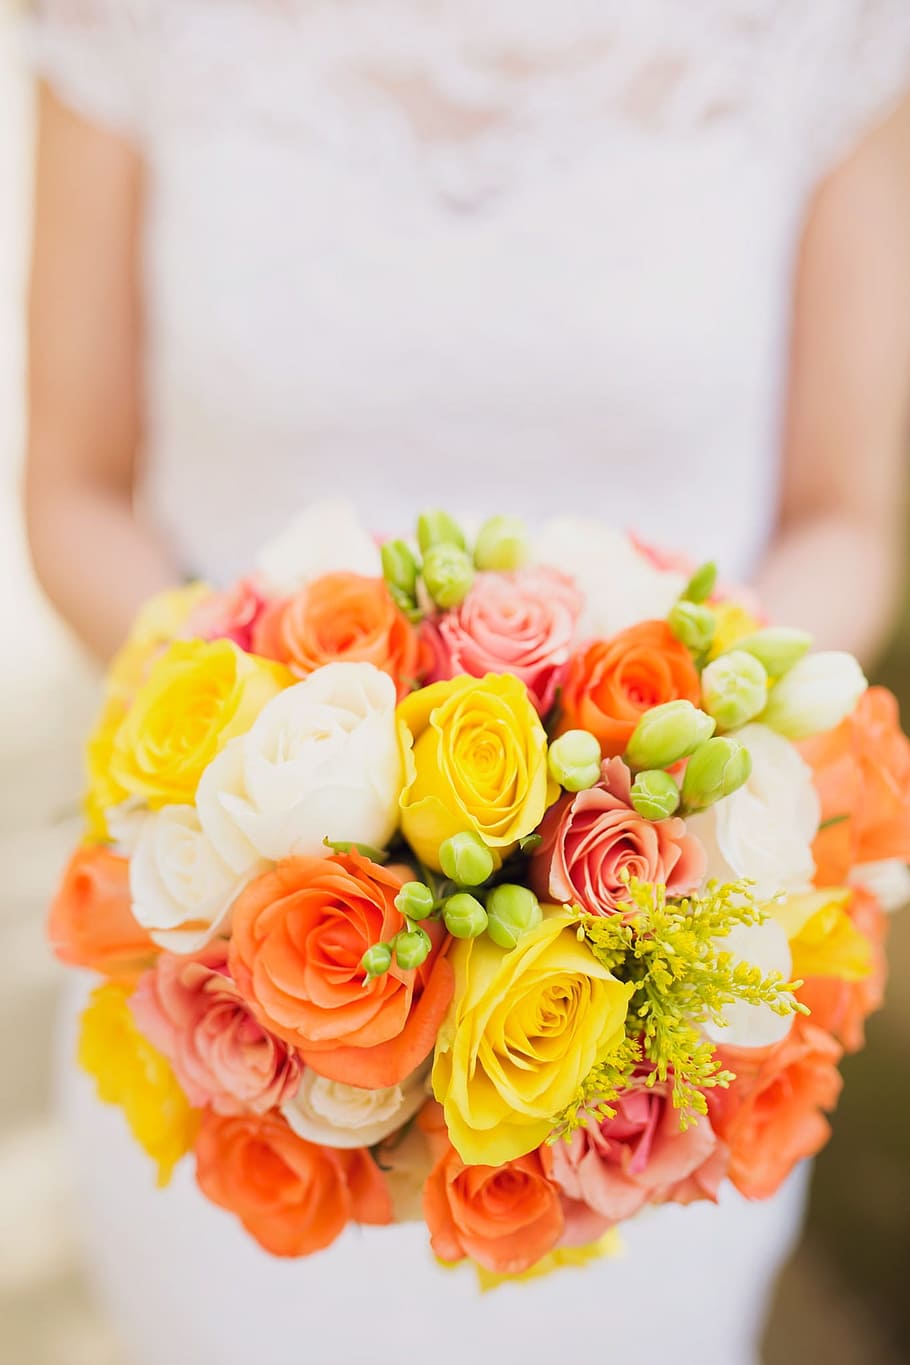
[(412, 949), (464, 916), (502, 544), (435, 527), (448, 574), (666, 734), (466, 860), (701, 585), (816, 694), (512, 911), (655, 795), (377, 960), (574, 760), (399, 568), (734, 689), (693, 625), (716, 769), (778, 648), (415, 901)]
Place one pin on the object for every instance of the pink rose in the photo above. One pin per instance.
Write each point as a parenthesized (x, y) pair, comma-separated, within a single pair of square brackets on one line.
[(642, 1156), (190, 1009), (229, 615), (521, 623), (590, 839)]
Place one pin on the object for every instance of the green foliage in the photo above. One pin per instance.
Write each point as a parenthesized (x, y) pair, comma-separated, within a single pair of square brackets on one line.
[(672, 949)]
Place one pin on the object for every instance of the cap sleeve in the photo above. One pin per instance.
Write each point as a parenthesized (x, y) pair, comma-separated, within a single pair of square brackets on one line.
[(94, 54), (869, 75)]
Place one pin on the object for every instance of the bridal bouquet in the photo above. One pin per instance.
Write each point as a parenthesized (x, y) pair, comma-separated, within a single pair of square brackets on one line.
[(516, 884)]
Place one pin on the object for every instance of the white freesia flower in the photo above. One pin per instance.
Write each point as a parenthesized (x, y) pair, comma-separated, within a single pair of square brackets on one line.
[(181, 889), (765, 946), (337, 1115), (322, 760), (888, 880), (621, 586), (764, 831), (816, 694), (326, 537)]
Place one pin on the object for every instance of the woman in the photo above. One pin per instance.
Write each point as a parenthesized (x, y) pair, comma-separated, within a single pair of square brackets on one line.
[(644, 261)]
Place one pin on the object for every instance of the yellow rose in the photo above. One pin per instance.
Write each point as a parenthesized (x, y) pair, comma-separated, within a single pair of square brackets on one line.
[(129, 1072), (824, 941), (525, 1028), (154, 628), (196, 698), (476, 761), (608, 1246), (732, 624)]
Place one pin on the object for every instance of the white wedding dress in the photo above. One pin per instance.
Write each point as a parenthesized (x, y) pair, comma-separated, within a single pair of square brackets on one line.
[(495, 254)]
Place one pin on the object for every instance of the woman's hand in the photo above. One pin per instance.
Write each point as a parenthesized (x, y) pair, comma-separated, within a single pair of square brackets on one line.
[(835, 565), (94, 558)]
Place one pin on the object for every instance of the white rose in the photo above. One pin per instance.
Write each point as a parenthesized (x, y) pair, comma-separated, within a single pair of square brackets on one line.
[(322, 760), (888, 880), (765, 946), (182, 891), (621, 586), (337, 1115), (327, 537), (764, 831), (815, 695)]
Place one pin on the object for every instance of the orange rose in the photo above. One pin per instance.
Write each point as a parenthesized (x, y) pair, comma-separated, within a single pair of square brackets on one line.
[(770, 1117), (504, 1217), (610, 684), (842, 1007), (292, 1196), (298, 934), (341, 617), (91, 923), (862, 773)]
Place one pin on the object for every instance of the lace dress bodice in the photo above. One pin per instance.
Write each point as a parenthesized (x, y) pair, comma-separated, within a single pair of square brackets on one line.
[(481, 252)]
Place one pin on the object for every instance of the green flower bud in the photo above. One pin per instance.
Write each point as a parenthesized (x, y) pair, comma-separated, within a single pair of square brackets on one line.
[(466, 859), (717, 769), (734, 689), (512, 911), (377, 960), (502, 544), (778, 648), (655, 795), (399, 568), (447, 574), (701, 585), (415, 901), (464, 916), (693, 625), (412, 949), (435, 527), (574, 760), (666, 734)]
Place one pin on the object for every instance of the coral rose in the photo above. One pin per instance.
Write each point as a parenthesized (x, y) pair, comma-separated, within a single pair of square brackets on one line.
[(292, 1196), (842, 1006), (641, 1156), (862, 774), (521, 623), (770, 1117), (504, 1217), (190, 1009), (91, 923), (298, 935), (591, 840), (341, 618), (229, 615), (610, 684)]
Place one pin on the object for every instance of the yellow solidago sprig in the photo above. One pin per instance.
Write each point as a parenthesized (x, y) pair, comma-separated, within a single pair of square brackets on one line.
[(129, 1072), (672, 951)]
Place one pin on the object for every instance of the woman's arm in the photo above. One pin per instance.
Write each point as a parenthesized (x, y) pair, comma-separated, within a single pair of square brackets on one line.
[(94, 558), (835, 564)]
